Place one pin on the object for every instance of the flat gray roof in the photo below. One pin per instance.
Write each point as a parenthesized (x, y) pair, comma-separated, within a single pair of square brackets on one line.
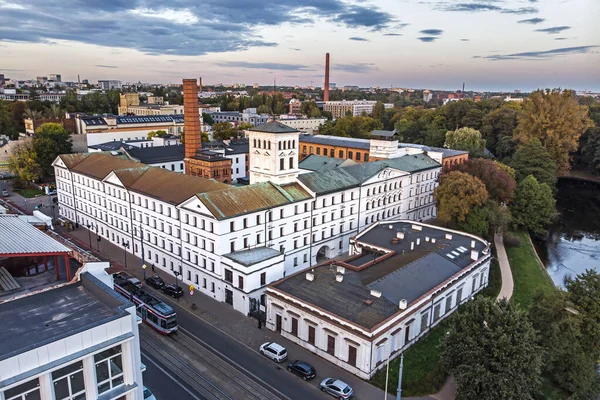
[(406, 274), (45, 317), (20, 237), (252, 256)]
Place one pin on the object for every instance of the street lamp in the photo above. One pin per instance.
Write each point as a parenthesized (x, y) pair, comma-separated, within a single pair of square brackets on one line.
[(125, 247), (90, 234), (142, 248), (98, 238), (399, 392)]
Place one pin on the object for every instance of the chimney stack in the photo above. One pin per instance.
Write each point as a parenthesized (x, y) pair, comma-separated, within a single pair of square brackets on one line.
[(326, 88), (200, 85), (191, 119)]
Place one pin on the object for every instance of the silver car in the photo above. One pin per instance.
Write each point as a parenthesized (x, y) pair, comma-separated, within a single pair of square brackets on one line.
[(336, 388), (274, 351)]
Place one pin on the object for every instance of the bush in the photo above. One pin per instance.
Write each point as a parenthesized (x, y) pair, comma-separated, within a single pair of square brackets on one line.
[(511, 240)]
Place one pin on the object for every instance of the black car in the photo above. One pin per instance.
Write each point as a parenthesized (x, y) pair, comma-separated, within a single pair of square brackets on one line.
[(172, 290), (302, 369), (155, 281)]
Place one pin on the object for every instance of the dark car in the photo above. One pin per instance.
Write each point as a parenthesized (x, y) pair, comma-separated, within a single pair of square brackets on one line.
[(155, 281), (172, 290), (302, 369)]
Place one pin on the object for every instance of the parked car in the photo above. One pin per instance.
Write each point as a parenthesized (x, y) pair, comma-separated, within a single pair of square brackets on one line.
[(336, 388), (52, 193), (4, 193), (155, 281), (135, 281), (274, 351), (148, 395), (172, 290), (302, 369)]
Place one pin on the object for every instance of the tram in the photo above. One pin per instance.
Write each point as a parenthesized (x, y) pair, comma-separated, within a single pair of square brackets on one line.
[(158, 315)]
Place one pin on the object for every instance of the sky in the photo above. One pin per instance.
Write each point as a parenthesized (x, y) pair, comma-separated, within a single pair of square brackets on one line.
[(426, 44)]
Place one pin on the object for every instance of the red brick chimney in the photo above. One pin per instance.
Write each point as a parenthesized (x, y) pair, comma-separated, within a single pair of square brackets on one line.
[(191, 119), (200, 85), (326, 89)]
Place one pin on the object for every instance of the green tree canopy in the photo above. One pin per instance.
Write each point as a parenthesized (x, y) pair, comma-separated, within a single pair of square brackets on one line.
[(457, 194), (556, 119), (491, 350), (498, 126), (500, 186), (244, 126), (49, 141), (534, 205), (7, 124), (467, 139), (223, 131), (158, 133), (24, 162), (208, 119), (356, 127), (533, 159)]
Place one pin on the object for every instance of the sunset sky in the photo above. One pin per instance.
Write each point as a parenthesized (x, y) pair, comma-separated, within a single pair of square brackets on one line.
[(489, 44)]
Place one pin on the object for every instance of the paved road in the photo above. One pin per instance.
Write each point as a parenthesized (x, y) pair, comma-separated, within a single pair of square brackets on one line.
[(506, 291), (163, 384)]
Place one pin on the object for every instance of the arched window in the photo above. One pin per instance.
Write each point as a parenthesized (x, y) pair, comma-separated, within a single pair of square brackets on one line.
[(368, 192)]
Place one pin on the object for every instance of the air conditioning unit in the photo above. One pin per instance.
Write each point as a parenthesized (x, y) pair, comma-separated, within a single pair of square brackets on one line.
[(340, 270), (376, 293), (403, 304)]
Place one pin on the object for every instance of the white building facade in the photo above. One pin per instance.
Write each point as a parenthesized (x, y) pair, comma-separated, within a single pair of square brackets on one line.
[(199, 226)]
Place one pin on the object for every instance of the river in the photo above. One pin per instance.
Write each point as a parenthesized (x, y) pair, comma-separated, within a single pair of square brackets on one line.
[(573, 241)]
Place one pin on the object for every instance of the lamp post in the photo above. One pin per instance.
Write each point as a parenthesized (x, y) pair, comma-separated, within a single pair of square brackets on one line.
[(125, 247), (142, 248), (98, 238), (89, 226), (399, 393)]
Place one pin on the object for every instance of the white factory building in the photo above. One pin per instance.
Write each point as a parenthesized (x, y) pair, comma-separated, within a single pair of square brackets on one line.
[(231, 242)]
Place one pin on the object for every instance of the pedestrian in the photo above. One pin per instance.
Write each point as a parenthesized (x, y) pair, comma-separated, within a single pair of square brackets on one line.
[(259, 323), (153, 268)]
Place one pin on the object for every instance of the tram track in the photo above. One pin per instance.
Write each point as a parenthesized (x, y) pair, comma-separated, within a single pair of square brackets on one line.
[(202, 369)]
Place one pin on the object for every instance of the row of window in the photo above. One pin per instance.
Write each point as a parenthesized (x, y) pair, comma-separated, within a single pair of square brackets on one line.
[(331, 153)]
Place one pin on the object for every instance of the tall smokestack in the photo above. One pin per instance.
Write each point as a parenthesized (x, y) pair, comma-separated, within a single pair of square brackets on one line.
[(191, 119), (326, 89), (200, 85)]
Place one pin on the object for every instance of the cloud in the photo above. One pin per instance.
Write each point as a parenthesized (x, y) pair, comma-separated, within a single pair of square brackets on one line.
[(392, 34), (533, 21), (359, 39), (554, 30), (540, 55), (176, 28), (560, 38), (362, 17), (355, 68), (105, 66), (266, 65), (520, 11), (434, 32), (427, 39), (464, 40), (292, 48)]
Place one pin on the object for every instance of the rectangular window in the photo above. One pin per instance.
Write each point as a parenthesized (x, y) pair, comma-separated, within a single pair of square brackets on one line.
[(459, 295), (341, 154), (26, 391), (228, 276), (263, 278), (448, 303), (357, 156), (331, 345), (281, 164), (109, 369), (311, 334), (294, 330), (436, 311), (318, 150), (212, 287), (241, 282), (424, 321), (291, 162), (204, 283)]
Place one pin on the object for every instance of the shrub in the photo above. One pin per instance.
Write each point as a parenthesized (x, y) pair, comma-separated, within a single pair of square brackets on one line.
[(511, 240)]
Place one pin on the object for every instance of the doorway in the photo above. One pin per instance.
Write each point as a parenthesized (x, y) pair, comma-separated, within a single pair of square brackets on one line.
[(229, 297)]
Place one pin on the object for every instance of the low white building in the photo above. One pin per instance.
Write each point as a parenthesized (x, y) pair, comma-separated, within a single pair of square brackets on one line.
[(197, 226), (401, 279), (304, 125), (236, 118), (75, 341)]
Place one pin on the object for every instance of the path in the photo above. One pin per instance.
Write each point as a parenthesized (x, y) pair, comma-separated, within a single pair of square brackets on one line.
[(508, 284)]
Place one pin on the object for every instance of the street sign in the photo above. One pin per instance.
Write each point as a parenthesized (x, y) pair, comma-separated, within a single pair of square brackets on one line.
[(144, 266), (191, 288)]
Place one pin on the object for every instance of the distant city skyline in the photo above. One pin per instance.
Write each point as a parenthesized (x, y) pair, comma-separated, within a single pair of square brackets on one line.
[(425, 44)]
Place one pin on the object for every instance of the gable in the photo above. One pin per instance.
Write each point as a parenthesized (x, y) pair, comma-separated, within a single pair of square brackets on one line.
[(114, 179), (384, 175), (194, 205)]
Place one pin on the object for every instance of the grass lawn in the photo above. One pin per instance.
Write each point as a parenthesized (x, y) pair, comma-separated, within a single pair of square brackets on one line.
[(528, 274), (29, 192)]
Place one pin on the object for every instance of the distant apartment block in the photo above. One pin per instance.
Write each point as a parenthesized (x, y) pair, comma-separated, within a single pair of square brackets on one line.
[(355, 108), (109, 84)]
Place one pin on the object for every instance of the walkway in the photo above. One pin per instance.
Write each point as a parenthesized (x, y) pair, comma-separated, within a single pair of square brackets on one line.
[(508, 284)]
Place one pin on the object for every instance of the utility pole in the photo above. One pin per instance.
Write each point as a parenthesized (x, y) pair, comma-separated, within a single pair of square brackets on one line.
[(143, 255), (399, 393)]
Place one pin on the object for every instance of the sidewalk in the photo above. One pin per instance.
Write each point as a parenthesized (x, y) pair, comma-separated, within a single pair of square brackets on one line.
[(508, 283), (239, 327)]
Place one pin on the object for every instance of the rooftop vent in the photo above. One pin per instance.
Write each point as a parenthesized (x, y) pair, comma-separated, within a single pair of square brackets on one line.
[(449, 255), (400, 235), (418, 241), (403, 304), (390, 226), (412, 245), (474, 255), (427, 238), (310, 276), (472, 244), (448, 236), (376, 293), (339, 277), (340, 270), (417, 227), (486, 251), (432, 240)]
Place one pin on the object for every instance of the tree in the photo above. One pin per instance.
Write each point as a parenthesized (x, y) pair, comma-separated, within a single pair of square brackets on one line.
[(23, 162), (223, 131), (356, 127), (584, 292), (49, 141), (457, 194), (32, 114), (497, 126), (491, 350), (244, 126), (477, 221), (7, 125), (208, 119), (158, 133), (500, 186), (467, 139), (506, 168), (379, 112), (534, 205), (556, 119), (533, 159), (569, 357)]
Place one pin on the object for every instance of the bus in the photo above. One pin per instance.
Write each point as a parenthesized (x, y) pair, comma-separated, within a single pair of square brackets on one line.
[(158, 315)]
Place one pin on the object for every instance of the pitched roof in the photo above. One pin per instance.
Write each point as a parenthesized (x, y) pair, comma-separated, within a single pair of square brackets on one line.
[(158, 154), (240, 200), (328, 181), (20, 237), (321, 163), (387, 134), (273, 127)]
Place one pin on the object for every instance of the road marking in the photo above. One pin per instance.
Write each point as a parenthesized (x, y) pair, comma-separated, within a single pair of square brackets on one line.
[(170, 376)]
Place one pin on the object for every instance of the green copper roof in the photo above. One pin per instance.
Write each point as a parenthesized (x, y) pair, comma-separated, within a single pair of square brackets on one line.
[(322, 163), (273, 127)]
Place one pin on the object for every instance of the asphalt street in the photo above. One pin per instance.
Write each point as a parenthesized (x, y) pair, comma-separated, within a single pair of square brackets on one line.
[(163, 384)]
